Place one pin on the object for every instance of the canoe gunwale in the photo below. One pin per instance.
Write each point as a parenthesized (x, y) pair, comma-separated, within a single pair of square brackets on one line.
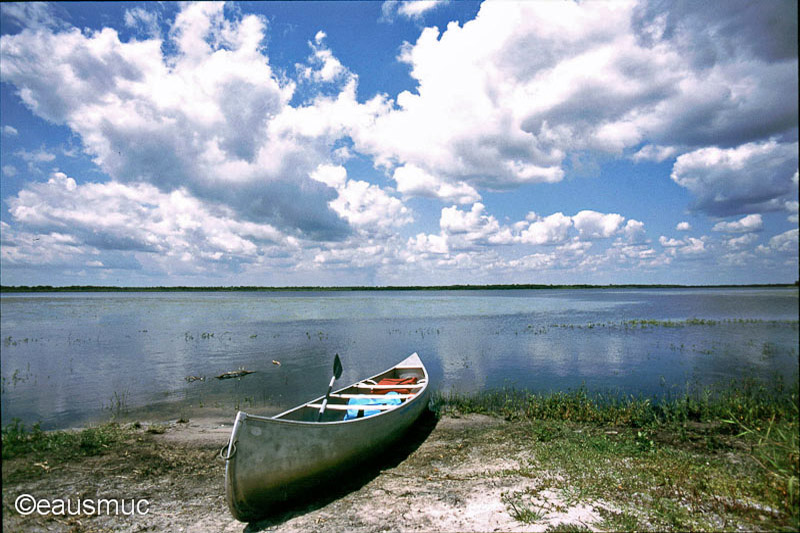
[(250, 497), (402, 365)]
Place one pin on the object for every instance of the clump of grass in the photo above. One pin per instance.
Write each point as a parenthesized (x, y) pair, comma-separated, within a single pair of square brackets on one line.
[(521, 510), (56, 446)]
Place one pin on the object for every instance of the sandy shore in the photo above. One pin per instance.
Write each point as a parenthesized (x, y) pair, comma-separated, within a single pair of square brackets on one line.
[(452, 474)]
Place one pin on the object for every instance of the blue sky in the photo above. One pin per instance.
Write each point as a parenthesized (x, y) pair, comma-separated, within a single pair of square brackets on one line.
[(398, 143)]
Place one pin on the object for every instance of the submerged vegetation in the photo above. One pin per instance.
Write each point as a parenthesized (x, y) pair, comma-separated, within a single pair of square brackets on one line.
[(711, 458)]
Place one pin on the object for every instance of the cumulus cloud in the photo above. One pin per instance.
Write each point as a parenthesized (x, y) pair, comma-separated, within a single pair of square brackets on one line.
[(365, 206), (212, 158), (139, 218), (552, 229), (742, 241), (324, 67), (690, 246), (786, 242), (655, 153), (413, 181), (408, 8), (468, 228), (749, 178), (207, 119), (747, 224), (594, 225), (606, 77), (475, 230)]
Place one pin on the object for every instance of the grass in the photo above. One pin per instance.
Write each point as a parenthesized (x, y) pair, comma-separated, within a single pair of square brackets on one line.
[(710, 458), (59, 446), (41, 450)]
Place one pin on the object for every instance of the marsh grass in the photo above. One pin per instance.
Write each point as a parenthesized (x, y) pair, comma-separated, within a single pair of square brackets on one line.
[(708, 458), (53, 447)]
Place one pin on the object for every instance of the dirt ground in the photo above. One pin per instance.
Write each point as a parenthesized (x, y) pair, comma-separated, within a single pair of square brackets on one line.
[(452, 474)]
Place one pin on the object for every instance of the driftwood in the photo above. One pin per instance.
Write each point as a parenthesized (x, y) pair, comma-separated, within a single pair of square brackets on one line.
[(195, 378), (235, 374)]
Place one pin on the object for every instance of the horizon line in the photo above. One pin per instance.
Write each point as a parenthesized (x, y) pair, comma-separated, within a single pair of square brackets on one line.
[(488, 286)]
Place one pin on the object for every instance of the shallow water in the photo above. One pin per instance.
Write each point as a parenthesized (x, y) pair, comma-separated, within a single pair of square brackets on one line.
[(72, 358)]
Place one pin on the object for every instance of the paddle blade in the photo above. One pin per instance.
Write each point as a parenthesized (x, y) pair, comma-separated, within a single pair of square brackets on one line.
[(337, 367)]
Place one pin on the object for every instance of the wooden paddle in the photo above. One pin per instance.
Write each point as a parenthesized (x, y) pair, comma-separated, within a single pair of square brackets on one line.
[(337, 373)]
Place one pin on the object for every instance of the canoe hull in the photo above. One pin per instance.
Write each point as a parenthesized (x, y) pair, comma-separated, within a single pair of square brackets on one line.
[(272, 461)]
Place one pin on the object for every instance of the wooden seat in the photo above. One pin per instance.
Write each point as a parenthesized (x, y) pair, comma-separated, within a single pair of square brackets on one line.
[(366, 386), (348, 396), (346, 407)]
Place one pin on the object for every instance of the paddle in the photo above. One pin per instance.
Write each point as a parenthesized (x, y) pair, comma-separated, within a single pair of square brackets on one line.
[(337, 373)]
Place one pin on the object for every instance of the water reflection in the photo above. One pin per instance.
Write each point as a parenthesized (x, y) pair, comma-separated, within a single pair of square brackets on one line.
[(71, 358)]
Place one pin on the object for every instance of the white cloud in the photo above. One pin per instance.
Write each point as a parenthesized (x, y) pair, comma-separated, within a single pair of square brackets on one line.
[(139, 218), (9, 171), (655, 153), (742, 241), (408, 8), (11, 131), (693, 246), (605, 78), (32, 158), (594, 225), (413, 181), (792, 208), (667, 242), (786, 242), (745, 224), (213, 118), (140, 18), (424, 243), (325, 67), (749, 178), (33, 15), (634, 232), (365, 206), (467, 228), (689, 246), (552, 229), (683, 226)]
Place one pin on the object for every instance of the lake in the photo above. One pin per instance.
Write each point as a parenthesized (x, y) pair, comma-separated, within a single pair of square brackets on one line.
[(74, 358)]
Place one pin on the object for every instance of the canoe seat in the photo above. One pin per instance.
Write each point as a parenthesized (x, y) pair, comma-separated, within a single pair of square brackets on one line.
[(348, 396), (345, 407), (398, 385)]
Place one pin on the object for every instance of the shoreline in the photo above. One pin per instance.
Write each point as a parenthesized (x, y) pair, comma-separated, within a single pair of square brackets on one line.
[(460, 471), (6, 289)]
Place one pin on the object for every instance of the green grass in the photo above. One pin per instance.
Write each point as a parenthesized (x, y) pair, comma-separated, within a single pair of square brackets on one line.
[(709, 458), (58, 446)]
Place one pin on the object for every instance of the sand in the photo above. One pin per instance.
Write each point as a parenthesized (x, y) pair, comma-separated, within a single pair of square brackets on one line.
[(452, 474)]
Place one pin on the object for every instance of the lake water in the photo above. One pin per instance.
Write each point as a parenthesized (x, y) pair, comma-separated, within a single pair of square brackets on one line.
[(70, 359)]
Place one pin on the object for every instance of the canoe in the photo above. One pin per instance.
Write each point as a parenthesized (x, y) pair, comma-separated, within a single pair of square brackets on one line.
[(272, 460)]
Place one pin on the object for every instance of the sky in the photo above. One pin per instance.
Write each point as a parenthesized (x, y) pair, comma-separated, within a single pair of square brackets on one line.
[(398, 143)]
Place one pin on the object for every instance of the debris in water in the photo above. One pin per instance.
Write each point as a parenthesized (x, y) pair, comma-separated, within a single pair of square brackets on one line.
[(235, 374)]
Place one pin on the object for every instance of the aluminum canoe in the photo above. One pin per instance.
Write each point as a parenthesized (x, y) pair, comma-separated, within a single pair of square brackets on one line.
[(272, 460)]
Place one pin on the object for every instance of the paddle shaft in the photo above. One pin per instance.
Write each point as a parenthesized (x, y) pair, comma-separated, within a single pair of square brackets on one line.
[(325, 401)]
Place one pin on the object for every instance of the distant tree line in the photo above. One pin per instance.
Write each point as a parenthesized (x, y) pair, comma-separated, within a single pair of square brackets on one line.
[(493, 287)]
